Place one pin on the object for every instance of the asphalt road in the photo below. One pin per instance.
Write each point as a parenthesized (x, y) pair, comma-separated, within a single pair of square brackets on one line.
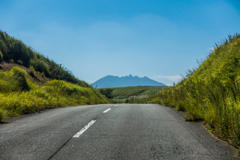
[(123, 132)]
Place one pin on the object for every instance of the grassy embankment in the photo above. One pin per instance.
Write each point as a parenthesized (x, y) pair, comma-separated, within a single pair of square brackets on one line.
[(211, 92), (20, 95), (15, 51), (132, 94)]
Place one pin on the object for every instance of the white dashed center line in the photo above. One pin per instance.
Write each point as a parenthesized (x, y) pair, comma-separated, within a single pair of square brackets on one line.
[(107, 110), (84, 129)]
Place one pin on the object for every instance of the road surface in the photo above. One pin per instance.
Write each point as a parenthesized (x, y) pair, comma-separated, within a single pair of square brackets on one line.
[(111, 131)]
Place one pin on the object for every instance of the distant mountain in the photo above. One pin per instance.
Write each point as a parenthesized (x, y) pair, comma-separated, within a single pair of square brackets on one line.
[(115, 81)]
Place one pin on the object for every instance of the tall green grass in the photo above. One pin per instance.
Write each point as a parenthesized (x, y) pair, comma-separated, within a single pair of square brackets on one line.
[(211, 92), (18, 95)]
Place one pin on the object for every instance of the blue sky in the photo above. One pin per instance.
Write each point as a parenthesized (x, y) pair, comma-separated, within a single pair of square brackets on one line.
[(160, 39)]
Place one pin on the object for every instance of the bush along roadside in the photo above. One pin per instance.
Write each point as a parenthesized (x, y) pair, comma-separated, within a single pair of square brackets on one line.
[(211, 92), (18, 95)]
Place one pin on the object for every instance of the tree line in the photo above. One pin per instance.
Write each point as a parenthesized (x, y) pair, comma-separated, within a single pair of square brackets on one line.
[(14, 50)]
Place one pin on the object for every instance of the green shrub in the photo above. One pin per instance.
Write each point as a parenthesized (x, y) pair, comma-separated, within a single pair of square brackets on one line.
[(107, 92), (19, 62), (11, 60), (32, 68), (1, 57), (20, 76), (40, 66), (1, 115)]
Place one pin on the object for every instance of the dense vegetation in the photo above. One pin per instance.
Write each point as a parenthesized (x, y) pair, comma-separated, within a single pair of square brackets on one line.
[(13, 50), (19, 95), (131, 94), (211, 92), (107, 92)]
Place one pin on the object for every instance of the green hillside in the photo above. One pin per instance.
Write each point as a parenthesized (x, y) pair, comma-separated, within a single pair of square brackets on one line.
[(29, 82), (211, 92), (15, 51), (138, 92)]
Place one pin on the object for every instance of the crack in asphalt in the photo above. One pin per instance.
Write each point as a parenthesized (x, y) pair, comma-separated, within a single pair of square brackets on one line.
[(59, 149)]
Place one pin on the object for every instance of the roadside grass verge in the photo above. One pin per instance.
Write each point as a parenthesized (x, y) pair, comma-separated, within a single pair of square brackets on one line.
[(211, 92), (18, 95)]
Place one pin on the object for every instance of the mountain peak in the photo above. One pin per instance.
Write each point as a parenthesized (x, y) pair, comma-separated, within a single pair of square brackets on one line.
[(111, 81)]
